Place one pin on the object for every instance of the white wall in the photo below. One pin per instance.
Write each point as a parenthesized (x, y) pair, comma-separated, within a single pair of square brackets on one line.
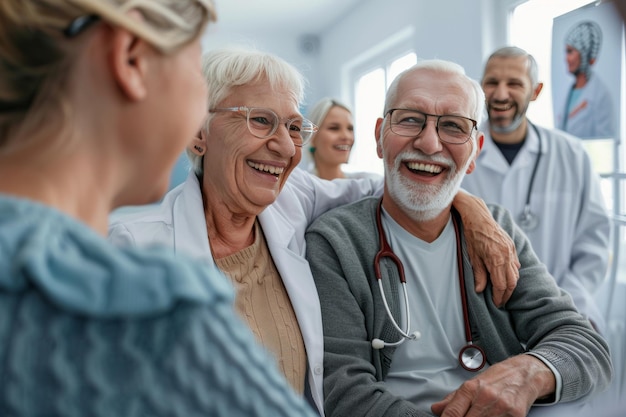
[(462, 31), (438, 32), (285, 45)]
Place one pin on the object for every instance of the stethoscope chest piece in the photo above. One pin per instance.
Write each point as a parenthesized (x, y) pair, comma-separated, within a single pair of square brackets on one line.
[(528, 220), (472, 358)]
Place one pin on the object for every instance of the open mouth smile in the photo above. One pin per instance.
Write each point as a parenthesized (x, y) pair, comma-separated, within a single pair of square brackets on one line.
[(266, 169), (424, 169), (501, 108)]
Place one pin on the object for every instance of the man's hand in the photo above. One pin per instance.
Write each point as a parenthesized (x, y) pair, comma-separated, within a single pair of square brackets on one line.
[(506, 389), (489, 247)]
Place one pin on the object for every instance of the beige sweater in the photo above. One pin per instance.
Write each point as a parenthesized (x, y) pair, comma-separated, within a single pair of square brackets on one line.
[(263, 303)]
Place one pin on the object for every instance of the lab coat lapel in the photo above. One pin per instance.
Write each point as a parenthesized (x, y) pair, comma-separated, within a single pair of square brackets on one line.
[(288, 256), (189, 224), (528, 154), (491, 158), (296, 275)]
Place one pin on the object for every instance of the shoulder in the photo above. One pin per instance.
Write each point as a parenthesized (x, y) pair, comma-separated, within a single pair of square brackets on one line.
[(135, 281), (502, 216), (353, 224), (81, 271), (153, 224), (158, 212), (506, 221), (597, 86), (299, 188), (350, 215), (363, 174), (300, 176), (564, 145)]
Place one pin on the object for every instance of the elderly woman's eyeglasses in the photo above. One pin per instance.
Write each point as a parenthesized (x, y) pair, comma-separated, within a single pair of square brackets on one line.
[(450, 129), (263, 123)]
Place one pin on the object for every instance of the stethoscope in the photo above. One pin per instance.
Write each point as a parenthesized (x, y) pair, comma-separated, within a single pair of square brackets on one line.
[(471, 357), (528, 220)]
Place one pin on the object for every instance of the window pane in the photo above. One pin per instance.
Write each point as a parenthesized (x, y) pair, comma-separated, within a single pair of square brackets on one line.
[(538, 15), (369, 99), (400, 65)]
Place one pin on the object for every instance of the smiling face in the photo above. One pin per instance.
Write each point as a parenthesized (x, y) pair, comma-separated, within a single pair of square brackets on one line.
[(335, 138), (423, 174), (508, 92), (572, 57), (241, 171)]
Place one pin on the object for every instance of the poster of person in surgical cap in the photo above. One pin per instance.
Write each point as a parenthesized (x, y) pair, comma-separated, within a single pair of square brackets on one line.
[(586, 71)]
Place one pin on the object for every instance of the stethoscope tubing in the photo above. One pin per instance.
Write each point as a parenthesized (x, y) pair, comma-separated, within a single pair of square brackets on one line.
[(386, 251), (471, 357), (527, 220)]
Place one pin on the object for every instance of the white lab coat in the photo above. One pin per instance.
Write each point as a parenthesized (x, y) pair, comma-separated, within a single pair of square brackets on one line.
[(595, 116), (572, 238), (179, 222)]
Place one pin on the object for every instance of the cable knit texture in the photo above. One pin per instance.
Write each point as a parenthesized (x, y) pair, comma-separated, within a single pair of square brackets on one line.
[(87, 329), (263, 303)]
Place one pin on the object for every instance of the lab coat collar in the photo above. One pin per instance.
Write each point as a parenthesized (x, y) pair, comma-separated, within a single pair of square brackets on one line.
[(190, 237), (189, 223), (491, 157)]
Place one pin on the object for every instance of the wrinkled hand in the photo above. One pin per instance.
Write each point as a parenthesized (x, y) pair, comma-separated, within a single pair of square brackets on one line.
[(506, 389), (489, 247)]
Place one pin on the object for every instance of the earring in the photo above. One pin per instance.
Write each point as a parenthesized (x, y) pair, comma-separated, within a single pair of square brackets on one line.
[(312, 149), (198, 148)]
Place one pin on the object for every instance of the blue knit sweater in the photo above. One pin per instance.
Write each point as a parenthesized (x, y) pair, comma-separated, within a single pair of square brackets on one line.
[(87, 329)]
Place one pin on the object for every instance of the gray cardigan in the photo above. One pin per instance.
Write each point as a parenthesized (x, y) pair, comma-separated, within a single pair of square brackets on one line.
[(341, 246)]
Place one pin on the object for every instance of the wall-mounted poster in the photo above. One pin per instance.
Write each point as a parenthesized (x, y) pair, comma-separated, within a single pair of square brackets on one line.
[(587, 48)]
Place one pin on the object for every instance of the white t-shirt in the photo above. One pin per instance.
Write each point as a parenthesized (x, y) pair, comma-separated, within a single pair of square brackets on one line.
[(426, 370)]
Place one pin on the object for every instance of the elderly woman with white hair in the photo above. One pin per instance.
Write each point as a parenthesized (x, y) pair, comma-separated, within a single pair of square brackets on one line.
[(245, 207), (587, 111)]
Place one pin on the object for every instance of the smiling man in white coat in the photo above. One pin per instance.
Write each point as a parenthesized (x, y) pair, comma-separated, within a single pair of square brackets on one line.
[(545, 178)]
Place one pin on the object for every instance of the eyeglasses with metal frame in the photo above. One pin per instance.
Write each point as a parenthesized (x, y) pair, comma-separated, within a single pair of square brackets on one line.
[(263, 123), (451, 129)]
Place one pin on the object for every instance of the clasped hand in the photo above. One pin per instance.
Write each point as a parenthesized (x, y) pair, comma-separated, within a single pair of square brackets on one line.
[(506, 389)]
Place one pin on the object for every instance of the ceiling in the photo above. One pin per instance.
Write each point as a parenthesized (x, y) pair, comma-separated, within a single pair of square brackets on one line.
[(301, 17)]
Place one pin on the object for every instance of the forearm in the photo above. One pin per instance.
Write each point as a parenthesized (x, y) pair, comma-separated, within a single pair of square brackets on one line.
[(350, 389), (491, 250), (546, 322), (316, 196), (545, 380), (550, 326)]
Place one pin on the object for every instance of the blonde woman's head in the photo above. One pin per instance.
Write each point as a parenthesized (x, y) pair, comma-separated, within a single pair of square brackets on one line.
[(38, 45)]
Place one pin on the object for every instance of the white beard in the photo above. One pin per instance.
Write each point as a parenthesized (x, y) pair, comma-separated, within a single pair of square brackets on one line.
[(424, 202)]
